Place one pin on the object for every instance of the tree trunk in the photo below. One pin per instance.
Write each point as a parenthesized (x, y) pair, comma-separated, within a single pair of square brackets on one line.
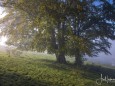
[(61, 58), (78, 56), (78, 59), (60, 55)]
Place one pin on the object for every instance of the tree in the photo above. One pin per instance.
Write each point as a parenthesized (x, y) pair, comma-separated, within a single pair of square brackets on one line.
[(91, 33), (63, 27)]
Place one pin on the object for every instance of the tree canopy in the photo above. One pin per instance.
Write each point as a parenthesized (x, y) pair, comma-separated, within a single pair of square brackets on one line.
[(62, 27)]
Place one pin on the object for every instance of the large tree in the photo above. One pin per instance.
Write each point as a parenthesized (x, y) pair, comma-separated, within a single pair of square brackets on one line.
[(63, 27), (92, 29)]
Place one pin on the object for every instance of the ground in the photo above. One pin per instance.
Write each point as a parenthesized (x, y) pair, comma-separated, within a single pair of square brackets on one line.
[(36, 69)]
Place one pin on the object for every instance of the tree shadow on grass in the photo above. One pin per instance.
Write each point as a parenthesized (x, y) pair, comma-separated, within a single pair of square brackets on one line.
[(94, 72), (14, 79), (55, 65), (47, 60), (91, 72), (89, 68)]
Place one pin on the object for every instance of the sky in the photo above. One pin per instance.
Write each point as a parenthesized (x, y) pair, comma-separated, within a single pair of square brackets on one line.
[(102, 58)]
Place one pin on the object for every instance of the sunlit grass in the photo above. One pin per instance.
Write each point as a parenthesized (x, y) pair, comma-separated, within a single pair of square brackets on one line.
[(35, 69)]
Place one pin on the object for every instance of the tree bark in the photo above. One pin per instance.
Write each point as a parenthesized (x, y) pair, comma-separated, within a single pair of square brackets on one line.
[(60, 55), (61, 58), (78, 59)]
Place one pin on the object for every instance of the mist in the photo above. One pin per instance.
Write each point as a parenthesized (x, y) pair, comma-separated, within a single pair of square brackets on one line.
[(105, 59)]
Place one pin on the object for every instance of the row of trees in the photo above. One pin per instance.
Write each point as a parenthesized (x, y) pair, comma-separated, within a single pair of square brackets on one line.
[(62, 27)]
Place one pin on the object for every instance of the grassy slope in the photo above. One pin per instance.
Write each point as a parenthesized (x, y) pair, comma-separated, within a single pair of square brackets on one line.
[(41, 70)]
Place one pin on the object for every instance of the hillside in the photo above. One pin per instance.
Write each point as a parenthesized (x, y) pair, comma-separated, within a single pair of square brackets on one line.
[(32, 69)]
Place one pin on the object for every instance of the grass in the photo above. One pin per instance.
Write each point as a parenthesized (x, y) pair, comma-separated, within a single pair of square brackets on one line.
[(32, 69), (100, 64)]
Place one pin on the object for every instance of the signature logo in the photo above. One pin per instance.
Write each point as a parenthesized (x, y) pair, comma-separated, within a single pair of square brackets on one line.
[(104, 79)]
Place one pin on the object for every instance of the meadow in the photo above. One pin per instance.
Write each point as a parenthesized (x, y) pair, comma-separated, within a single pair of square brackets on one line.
[(38, 69)]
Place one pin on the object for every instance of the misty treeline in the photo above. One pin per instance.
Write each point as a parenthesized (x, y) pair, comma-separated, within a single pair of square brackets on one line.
[(62, 27)]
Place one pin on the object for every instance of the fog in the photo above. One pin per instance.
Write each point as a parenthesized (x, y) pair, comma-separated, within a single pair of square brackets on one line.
[(101, 59), (105, 59)]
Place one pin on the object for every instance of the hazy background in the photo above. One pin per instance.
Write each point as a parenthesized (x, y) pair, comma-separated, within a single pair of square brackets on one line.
[(106, 59)]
